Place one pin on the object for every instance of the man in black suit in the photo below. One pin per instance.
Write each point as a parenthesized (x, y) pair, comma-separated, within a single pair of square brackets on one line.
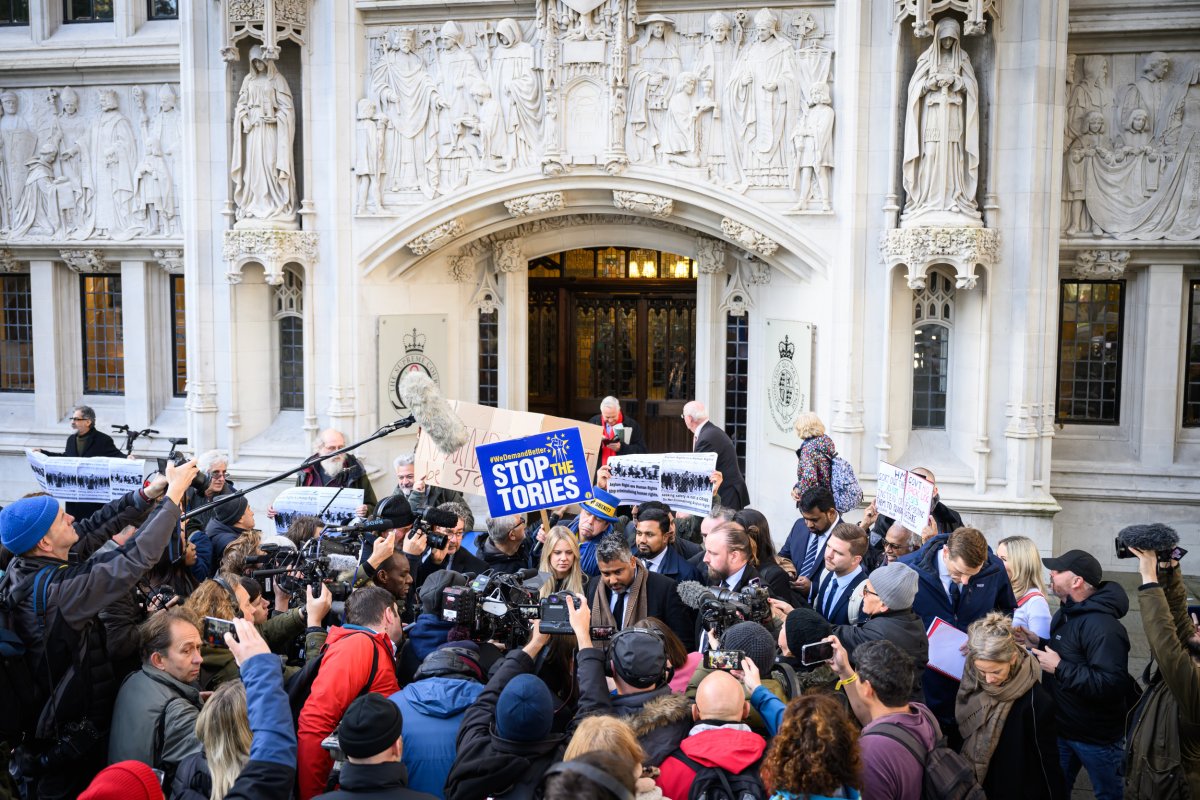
[(627, 593), (805, 545), (843, 573), (711, 439), (609, 417), (653, 545), (86, 442)]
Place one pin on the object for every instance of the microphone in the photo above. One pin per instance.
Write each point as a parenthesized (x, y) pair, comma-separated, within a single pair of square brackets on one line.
[(1155, 536), (372, 525), (694, 594), (432, 413), (440, 519)]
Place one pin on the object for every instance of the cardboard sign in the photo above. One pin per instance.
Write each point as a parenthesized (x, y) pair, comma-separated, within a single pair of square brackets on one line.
[(903, 496), (547, 470), (681, 480), (485, 425)]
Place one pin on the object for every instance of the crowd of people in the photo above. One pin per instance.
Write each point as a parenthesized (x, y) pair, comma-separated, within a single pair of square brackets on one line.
[(148, 657)]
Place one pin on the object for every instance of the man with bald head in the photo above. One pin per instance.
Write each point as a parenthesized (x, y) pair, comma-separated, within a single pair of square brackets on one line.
[(720, 736), (708, 438), (339, 471)]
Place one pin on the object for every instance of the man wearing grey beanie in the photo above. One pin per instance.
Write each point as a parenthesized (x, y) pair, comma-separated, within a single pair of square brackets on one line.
[(888, 595)]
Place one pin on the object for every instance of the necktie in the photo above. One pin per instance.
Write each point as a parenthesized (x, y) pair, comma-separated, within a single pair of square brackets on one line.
[(829, 595), (619, 610), (810, 558), (817, 594), (955, 595)]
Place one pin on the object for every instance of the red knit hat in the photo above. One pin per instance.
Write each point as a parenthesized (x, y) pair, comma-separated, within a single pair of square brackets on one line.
[(126, 780)]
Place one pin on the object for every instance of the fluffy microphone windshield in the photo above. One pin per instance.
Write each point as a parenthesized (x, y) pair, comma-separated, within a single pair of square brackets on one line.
[(432, 412), (693, 594), (1155, 536)]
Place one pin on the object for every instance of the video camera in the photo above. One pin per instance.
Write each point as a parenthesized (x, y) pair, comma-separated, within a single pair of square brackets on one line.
[(1164, 541), (721, 609), (201, 482), (312, 565), (496, 607)]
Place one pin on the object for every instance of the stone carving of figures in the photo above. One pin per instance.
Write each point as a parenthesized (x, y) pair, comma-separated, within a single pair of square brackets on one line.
[(43, 198), (72, 162), (368, 157), (17, 146), (812, 141), (655, 63), (154, 205), (410, 101), (1150, 93), (110, 178), (586, 27), (460, 72), (763, 98), (489, 150), (941, 134), (680, 137), (1090, 93), (517, 88), (1183, 115), (1136, 144), (166, 126), (715, 63), (1089, 147), (264, 125)]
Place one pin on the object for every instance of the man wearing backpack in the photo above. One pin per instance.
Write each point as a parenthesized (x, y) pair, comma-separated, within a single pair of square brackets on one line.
[(719, 746)]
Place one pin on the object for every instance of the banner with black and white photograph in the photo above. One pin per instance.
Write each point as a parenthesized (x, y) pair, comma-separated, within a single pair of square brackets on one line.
[(681, 480), (789, 379), (334, 506), (86, 480)]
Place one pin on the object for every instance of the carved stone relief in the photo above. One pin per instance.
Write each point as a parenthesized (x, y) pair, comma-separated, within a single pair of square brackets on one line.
[(262, 164), (171, 261), (74, 165), (436, 237), (923, 11), (85, 260), (1100, 264), (1132, 147), (461, 268), (509, 255), (960, 247), (748, 237), (9, 263), (652, 204), (271, 248), (540, 203)]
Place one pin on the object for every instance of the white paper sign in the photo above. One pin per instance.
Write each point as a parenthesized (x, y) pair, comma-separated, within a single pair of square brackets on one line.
[(903, 496), (945, 649), (302, 501), (681, 480), (918, 497), (86, 480), (889, 490)]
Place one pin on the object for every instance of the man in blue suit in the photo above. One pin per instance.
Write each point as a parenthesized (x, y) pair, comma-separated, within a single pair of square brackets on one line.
[(653, 547), (805, 545), (843, 573)]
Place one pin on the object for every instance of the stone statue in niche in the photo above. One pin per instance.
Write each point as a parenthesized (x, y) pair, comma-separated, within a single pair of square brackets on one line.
[(368, 144), (761, 99), (460, 72), (166, 127), (409, 101), (1136, 143), (715, 64), (941, 135), (1090, 93), (655, 63), (488, 151), (154, 205), (516, 86), (812, 143), (1087, 152), (18, 144), (680, 138), (110, 177), (262, 168), (72, 133), (44, 197), (1149, 93)]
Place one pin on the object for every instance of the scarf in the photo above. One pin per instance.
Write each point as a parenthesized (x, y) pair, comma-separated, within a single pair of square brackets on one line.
[(982, 708), (635, 602), (607, 452)]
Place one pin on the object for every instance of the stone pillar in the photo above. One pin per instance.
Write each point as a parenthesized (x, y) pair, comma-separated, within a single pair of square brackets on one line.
[(140, 336), (509, 260), (710, 325), (56, 331), (1163, 320)]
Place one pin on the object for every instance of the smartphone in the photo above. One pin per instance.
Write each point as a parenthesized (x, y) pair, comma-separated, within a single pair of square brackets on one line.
[(602, 633), (215, 629), (724, 659), (816, 653)]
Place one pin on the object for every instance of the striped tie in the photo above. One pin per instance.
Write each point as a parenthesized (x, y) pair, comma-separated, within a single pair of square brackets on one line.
[(810, 558)]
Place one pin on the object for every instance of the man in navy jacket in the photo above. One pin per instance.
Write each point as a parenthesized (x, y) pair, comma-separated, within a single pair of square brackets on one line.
[(653, 547)]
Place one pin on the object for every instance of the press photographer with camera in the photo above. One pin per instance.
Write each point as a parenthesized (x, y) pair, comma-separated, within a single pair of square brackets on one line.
[(451, 555), (1163, 751), (55, 594)]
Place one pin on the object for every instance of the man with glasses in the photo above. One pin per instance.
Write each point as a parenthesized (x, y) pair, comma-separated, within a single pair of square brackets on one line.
[(453, 556), (900, 541), (887, 599), (86, 442)]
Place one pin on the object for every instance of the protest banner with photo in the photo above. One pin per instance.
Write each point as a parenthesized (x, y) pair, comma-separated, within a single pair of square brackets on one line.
[(903, 496), (485, 425), (681, 480), (86, 480), (300, 501), (546, 470)]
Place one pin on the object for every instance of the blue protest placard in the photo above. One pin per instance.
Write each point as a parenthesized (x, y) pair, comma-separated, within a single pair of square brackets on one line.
[(546, 470)]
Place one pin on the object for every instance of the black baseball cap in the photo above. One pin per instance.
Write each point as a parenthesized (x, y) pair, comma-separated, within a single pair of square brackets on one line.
[(1081, 562), (639, 657)]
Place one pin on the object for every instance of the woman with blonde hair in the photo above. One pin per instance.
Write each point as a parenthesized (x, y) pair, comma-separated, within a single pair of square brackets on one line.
[(223, 727), (1006, 716), (560, 558), (814, 458), (1023, 563), (612, 735)]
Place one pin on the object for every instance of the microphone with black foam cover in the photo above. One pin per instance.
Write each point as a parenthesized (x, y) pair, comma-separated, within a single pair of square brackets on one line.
[(439, 519), (431, 411), (1154, 537), (694, 594)]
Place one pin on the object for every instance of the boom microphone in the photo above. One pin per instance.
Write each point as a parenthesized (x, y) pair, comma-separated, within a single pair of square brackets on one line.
[(1153, 537), (440, 519), (693, 594), (432, 412), (373, 525)]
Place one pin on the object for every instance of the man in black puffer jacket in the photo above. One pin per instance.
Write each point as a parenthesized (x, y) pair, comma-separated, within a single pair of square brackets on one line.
[(1086, 660)]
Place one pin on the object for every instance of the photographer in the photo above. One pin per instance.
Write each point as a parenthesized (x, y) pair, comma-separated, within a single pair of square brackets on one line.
[(1173, 693), (215, 466), (506, 548), (452, 556)]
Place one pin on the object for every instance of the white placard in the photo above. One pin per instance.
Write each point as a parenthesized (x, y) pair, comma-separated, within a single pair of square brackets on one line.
[(310, 500), (903, 496), (86, 480), (681, 480), (918, 498), (789, 379)]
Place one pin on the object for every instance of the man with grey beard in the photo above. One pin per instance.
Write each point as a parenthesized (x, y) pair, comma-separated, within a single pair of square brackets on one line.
[(340, 471)]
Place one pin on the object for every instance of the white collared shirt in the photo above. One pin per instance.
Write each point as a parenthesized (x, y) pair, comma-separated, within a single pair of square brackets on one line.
[(944, 571), (732, 580), (843, 583), (653, 564)]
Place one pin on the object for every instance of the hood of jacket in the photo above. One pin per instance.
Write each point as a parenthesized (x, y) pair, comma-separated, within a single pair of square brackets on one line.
[(426, 634), (1109, 598), (660, 712), (355, 778), (442, 697), (731, 748)]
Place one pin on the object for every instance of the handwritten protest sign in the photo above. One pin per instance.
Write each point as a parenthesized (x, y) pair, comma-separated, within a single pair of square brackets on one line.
[(310, 500), (903, 496), (485, 425), (86, 480), (681, 480), (546, 470)]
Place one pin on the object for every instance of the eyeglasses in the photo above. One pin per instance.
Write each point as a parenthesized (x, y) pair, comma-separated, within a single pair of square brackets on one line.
[(217, 473), (867, 591), (888, 546), (79, 419)]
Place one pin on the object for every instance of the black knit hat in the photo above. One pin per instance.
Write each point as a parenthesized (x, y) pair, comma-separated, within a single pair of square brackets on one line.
[(370, 725), (230, 511), (805, 626)]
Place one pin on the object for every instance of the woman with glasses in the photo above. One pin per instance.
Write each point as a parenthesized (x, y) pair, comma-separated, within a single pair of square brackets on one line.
[(560, 559)]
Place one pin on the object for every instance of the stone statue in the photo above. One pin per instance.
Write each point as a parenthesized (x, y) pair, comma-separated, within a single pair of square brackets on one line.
[(941, 135), (763, 98), (262, 168), (17, 146), (1150, 93), (154, 205), (73, 163), (166, 128), (460, 72), (1090, 150), (489, 150), (409, 101), (655, 63), (1090, 93), (812, 141), (109, 181), (367, 146), (714, 64), (1136, 143), (517, 88), (680, 140), (43, 198)]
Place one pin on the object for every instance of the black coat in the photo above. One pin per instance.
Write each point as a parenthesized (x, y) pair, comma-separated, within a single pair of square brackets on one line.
[(677, 568), (97, 445), (379, 781), (662, 602), (733, 492), (839, 614), (1025, 762), (637, 440), (502, 562), (902, 628), (462, 561)]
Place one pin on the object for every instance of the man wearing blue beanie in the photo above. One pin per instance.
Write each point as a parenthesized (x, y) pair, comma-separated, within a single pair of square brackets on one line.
[(58, 588), (506, 743)]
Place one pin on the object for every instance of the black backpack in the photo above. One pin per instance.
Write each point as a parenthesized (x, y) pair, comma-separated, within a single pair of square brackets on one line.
[(300, 685), (948, 776), (24, 694), (717, 783)]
